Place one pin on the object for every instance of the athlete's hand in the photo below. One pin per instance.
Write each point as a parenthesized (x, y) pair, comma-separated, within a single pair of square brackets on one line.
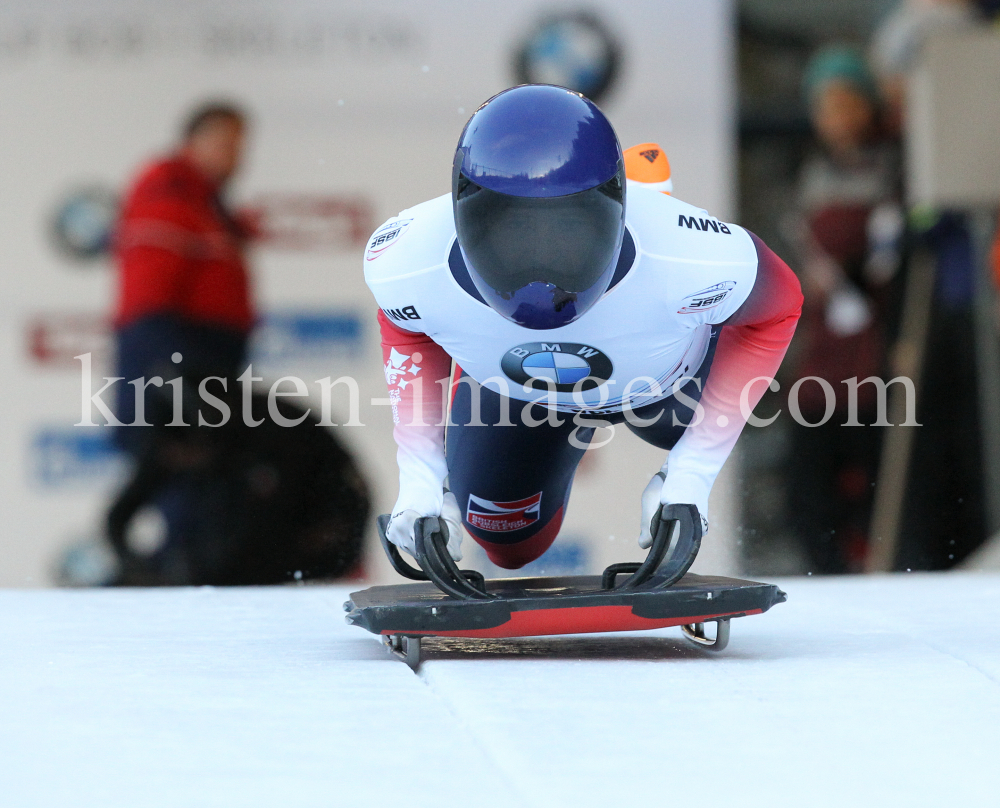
[(400, 530), (652, 498)]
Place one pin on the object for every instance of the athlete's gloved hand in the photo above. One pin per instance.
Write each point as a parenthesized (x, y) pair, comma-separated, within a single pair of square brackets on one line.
[(656, 494), (400, 530)]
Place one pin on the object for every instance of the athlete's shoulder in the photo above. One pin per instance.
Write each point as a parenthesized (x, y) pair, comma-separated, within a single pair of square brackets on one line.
[(417, 239), (670, 228), (706, 266)]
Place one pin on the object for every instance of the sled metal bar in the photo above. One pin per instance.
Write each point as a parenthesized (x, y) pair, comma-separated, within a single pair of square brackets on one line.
[(696, 633), (404, 648), (614, 570)]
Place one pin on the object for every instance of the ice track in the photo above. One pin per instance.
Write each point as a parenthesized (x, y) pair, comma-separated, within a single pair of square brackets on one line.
[(861, 692)]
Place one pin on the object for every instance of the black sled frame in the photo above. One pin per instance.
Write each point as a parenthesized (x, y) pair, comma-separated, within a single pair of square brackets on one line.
[(656, 592)]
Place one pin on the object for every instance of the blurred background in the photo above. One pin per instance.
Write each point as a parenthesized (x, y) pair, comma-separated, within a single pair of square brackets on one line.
[(856, 137)]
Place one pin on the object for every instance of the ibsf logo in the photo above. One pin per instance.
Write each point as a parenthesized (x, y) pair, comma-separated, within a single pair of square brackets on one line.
[(383, 238), (562, 366), (501, 517), (707, 298)]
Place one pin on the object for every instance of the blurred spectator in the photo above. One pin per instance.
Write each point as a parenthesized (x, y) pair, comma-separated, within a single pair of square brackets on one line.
[(899, 38), (183, 285), (250, 498), (848, 234)]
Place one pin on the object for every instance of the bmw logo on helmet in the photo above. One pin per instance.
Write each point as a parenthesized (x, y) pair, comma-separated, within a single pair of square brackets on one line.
[(568, 366)]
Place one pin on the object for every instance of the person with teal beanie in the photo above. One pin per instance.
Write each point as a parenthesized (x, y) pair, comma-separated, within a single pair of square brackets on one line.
[(840, 63), (847, 232)]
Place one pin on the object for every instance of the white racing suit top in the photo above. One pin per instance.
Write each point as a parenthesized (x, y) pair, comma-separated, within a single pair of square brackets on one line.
[(681, 272)]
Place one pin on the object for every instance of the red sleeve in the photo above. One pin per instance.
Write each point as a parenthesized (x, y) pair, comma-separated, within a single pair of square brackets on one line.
[(751, 346), (754, 340), (413, 364), (776, 294)]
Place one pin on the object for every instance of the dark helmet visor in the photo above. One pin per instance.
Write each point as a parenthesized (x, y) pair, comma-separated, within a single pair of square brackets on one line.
[(566, 241)]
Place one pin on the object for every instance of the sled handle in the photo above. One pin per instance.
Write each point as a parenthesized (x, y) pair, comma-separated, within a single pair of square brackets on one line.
[(431, 535), (436, 564), (679, 547)]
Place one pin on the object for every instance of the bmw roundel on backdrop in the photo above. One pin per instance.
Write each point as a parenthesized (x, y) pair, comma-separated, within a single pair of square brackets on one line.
[(575, 50), (83, 222)]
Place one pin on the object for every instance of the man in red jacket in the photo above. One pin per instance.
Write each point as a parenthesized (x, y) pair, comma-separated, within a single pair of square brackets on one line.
[(183, 285)]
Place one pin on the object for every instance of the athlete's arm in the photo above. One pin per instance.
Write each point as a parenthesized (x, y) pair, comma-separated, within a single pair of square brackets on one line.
[(751, 346), (413, 364)]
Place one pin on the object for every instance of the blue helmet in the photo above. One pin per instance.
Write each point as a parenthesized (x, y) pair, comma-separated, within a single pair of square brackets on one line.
[(538, 189)]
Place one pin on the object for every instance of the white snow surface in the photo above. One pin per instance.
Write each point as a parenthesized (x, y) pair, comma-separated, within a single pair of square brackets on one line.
[(880, 691)]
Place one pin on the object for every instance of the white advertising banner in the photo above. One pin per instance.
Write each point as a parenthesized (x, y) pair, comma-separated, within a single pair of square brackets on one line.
[(356, 108)]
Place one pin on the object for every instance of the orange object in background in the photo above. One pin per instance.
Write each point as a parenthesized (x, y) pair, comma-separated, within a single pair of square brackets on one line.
[(647, 163)]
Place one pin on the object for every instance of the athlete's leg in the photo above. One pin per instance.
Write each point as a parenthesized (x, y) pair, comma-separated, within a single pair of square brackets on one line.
[(512, 482)]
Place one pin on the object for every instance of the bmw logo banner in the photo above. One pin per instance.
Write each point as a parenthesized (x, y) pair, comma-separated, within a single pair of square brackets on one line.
[(575, 50)]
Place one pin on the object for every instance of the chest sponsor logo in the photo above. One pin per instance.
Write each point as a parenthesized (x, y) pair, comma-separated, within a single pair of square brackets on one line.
[(707, 298), (501, 517), (559, 365), (407, 313), (694, 223), (385, 237)]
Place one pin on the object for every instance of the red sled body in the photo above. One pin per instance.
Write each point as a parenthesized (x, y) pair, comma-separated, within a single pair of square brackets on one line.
[(655, 593), (528, 607)]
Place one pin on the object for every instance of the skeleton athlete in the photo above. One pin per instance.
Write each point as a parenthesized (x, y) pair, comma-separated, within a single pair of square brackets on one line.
[(551, 296)]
